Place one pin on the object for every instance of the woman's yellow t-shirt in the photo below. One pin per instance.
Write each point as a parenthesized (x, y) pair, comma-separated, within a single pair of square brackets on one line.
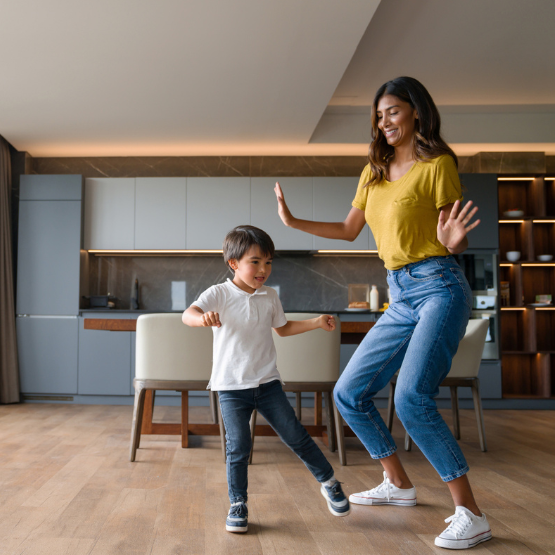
[(403, 214)]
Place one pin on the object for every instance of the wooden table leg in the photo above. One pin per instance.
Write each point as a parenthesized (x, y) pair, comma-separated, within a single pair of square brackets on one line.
[(318, 408), (184, 419)]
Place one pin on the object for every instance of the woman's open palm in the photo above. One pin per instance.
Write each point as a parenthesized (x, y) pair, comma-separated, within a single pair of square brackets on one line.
[(283, 210), (453, 229)]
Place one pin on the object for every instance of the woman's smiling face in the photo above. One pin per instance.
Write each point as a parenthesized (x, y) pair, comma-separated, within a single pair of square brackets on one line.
[(396, 120)]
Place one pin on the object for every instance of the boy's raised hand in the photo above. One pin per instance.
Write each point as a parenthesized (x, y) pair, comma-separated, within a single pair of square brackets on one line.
[(210, 318), (326, 322)]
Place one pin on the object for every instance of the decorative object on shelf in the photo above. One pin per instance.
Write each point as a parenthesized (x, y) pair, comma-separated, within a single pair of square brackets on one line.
[(384, 307), (359, 296), (513, 256), (514, 213), (374, 298), (545, 299), (505, 293), (545, 257)]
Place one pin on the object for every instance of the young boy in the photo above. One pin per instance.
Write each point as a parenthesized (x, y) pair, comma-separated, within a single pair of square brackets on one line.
[(242, 313)]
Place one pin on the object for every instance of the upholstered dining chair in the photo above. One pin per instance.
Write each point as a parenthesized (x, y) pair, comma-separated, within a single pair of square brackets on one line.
[(309, 362), (170, 356), (463, 373)]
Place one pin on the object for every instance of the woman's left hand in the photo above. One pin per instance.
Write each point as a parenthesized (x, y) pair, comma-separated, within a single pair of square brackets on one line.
[(452, 227)]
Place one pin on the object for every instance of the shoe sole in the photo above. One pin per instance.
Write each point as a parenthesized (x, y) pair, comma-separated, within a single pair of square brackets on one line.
[(239, 529), (370, 501), (463, 544), (330, 506)]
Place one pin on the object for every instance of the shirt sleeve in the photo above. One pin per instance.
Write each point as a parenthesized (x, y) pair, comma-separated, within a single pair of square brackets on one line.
[(362, 193), (209, 300), (447, 186), (278, 316)]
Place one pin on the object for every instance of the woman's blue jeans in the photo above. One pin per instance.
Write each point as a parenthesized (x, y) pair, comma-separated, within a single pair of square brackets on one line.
[(418, 335), (271, 402)]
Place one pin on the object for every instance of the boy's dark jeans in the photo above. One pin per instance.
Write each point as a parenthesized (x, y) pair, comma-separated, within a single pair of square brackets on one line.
[(270, 401)]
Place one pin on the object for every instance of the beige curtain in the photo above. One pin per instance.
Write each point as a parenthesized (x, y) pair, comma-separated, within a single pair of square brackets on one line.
[(9, 373)]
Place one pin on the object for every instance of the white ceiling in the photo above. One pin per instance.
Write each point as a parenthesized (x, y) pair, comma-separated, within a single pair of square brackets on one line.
[(262, 77)]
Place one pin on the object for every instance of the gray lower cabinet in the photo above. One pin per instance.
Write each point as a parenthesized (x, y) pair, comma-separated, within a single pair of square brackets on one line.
[(104, 361), (47, 350)]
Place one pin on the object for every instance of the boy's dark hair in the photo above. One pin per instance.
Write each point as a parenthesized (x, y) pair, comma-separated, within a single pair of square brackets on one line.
[(241, 238)]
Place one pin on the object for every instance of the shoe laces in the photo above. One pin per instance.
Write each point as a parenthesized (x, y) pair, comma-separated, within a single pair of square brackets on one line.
[(335, 490), (238, 510), (384, 487), (459, 523)]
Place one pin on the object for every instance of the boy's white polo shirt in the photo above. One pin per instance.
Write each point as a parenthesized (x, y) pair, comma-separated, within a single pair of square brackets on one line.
[(244, 351)]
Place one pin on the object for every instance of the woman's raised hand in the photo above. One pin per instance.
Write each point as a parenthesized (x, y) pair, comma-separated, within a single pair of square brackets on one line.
[(283, 210), (452, 229)]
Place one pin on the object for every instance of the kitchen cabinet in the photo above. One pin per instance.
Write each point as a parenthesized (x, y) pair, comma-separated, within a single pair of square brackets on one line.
[(47, 351), (214, 207), (332, 198), (48, 257), (160, 212), (481, 189), (104, 361), (110, 213), (263, 212)]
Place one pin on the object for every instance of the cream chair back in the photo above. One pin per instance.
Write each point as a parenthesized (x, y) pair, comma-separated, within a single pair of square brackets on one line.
[(167, 349), (309, 357), (466, 363)]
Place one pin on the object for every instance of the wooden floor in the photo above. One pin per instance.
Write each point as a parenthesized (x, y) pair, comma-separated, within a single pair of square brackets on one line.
[(67, 488)]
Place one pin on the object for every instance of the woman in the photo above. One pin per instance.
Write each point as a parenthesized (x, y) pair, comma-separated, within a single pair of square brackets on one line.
[(410, 194)]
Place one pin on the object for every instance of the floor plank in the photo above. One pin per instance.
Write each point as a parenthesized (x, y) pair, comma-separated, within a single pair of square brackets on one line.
[(67, 487)]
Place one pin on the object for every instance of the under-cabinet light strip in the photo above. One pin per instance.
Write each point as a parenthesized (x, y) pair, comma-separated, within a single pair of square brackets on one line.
[(512, 308), (155, 251), (543, 221), (347, 252), (511, 221), (515, 178), (546, 308), (506, 265), (544, 264)]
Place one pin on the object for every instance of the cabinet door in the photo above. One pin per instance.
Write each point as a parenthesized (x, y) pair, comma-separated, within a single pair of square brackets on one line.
[(160, 210), (48, 257), (104, 361), (481, 189), (51, 187), (298, 195), (110, 213), (47, 350), (332, 198), (215, 205)]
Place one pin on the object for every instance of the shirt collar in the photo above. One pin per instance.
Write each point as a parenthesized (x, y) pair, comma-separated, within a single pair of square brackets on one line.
[(234, 287)]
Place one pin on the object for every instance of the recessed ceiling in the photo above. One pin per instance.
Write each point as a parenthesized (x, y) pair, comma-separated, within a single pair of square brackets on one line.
[(184, 77)]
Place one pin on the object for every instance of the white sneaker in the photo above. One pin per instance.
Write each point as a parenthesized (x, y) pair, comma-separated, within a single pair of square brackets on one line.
[(385, 494), (465, 530)]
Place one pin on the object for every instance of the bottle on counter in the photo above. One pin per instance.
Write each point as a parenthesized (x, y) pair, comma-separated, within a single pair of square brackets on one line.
[(374, 298)]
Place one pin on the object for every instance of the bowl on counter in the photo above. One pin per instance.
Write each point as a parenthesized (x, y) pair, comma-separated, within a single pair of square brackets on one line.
[(545, 257), (513, 213)]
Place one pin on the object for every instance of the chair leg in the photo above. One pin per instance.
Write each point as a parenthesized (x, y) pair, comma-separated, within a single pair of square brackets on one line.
[(222, 428), (184, 419), (137, 421), (391, 406), (479, 414), (408, 441), (253, 429), (455, 411), (299, 409), (213, 407), (146, 427), (330, 421), (340, 433)]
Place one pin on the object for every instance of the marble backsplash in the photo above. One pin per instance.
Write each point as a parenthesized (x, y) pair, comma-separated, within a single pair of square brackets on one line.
[(306, 283)]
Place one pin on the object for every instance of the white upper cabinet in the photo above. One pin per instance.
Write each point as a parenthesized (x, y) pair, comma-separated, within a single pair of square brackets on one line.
[(264, 214), (215, 205), (160, 212), (332, 198), (110, 213)]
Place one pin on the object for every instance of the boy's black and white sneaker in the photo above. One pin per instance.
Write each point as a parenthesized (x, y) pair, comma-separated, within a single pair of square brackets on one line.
[(465, 530), (338, 504), (238, 518)]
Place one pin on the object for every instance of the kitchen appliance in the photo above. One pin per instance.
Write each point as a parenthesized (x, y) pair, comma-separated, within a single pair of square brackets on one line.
[(483, 301), (100, 301)]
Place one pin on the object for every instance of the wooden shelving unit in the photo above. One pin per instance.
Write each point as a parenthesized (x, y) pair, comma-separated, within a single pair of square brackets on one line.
[(527, 332)]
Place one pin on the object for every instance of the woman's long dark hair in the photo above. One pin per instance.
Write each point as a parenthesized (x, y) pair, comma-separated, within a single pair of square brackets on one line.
[(428, 143)]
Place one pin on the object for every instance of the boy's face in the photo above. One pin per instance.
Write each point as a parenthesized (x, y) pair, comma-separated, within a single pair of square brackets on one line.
[(252, 270)]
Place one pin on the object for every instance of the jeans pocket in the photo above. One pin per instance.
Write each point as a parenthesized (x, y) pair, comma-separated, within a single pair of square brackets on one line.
[(425, 272), (463, 282)]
